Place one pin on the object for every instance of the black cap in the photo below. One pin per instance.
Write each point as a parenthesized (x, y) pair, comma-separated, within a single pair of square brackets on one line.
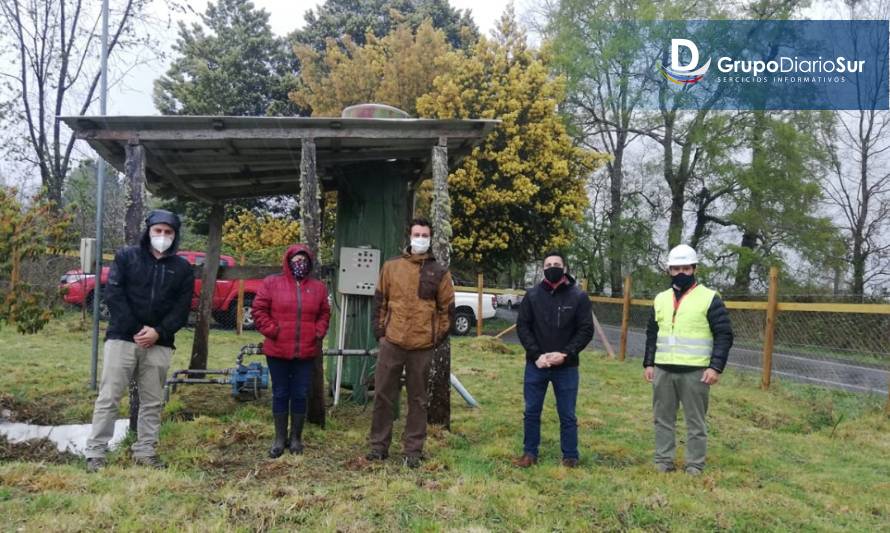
[(162, 216)]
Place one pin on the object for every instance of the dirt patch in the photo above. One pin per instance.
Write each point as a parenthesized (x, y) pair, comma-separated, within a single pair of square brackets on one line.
[(490, 345), (35, 451), (14, 410)]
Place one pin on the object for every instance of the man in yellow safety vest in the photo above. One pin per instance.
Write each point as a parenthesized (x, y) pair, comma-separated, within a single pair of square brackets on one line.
[(687, 343)]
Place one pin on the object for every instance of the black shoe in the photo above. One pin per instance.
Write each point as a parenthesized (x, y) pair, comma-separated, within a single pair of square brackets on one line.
[(375, 455), (94, 464), (151, 461), (296, 433), (280, 435), (413, 461)]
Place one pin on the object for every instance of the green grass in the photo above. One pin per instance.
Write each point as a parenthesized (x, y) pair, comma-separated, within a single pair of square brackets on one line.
[(794, 458)]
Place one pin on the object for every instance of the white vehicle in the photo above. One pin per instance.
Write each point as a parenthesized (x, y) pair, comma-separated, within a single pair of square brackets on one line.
[(510, 299), (465, 304)]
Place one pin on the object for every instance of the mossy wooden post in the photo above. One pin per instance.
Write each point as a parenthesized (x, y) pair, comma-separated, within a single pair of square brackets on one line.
[(239, 313), (135, 183), (208, 284), (480, 285), (625, 318), (770, 329), (310, 234), (439, 385)]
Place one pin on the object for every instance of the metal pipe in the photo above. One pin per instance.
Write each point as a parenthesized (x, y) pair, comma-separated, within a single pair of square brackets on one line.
[(464, 393), (351, 352), (100, 201)]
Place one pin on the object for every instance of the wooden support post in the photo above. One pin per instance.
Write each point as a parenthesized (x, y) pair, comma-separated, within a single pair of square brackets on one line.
[(134, 406), (508, 330), (208, 284), (239, 314), (310, 233), (625, 318), (439, 384), (135, 184), (602, 335), (479, 287), (770, 330)]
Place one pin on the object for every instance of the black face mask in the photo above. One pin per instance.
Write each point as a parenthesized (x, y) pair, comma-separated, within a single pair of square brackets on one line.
[(553, 274), (683, 281)]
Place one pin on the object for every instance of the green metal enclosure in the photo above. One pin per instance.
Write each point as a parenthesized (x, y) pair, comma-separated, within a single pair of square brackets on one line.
[(373, 206)]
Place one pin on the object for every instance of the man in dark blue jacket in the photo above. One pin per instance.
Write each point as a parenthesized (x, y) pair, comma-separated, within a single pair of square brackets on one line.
[(148, 293), (555, 323)]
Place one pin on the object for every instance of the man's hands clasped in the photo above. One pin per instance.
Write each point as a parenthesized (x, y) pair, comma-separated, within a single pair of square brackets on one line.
[(550, 359)]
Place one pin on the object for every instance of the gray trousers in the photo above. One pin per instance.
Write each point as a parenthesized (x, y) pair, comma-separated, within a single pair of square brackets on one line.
[(670, 389), (122, 361)]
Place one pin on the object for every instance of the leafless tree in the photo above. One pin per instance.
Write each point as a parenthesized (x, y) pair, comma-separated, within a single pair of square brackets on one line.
[(54, 46)]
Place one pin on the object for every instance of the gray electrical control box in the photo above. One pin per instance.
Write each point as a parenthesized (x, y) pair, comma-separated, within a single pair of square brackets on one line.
[(359, 270), (87, 255)]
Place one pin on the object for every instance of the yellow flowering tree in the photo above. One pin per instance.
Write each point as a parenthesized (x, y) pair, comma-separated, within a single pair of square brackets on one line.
[(260, 239), (517, 194), (394, 69)]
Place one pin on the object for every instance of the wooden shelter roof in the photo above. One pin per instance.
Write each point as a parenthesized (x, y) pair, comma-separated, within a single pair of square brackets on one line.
[(215, 158)]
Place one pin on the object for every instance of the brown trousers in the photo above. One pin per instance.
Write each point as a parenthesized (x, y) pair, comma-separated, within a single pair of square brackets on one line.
[(390, 361)]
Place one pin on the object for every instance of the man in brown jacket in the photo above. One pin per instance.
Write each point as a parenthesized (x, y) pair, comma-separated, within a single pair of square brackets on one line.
[(413, 310)]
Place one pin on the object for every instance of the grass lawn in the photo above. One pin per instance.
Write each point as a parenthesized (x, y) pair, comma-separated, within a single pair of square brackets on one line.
[(794, 458)]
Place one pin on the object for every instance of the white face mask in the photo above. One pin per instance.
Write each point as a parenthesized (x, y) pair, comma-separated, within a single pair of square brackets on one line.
[(161, 243), (419, 245)]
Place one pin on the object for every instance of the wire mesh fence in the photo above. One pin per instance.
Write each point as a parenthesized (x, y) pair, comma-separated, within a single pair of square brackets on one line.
[(821, 340)]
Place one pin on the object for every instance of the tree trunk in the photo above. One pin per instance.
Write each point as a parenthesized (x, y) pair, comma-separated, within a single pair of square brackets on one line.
[(616, 211), (208, 285), (742, 283)]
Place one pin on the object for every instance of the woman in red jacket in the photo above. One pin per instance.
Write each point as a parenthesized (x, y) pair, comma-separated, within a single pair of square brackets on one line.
[(291, 310)]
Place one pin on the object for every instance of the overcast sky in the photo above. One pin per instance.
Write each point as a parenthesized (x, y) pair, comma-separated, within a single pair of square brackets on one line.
[(131, 95)]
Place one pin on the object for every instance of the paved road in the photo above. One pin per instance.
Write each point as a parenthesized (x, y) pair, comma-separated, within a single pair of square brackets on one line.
[(813, 370)]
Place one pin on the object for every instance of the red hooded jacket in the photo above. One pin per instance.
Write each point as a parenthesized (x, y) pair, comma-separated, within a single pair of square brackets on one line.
[(292, 316)]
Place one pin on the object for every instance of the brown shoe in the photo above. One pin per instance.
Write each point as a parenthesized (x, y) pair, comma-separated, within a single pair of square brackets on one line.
[(569, 462), (525, 461)]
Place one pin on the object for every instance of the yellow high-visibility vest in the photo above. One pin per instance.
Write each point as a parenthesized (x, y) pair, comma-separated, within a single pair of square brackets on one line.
[(684, 335)]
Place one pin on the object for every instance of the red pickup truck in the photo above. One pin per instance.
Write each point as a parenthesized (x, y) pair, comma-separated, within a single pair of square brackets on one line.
[(77, 288)]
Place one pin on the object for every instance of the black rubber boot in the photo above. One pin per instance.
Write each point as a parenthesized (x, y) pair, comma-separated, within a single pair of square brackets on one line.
[(280, 435), (296, 433)]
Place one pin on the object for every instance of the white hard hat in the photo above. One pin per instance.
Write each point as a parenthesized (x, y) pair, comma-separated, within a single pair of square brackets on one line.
[(682, 254)]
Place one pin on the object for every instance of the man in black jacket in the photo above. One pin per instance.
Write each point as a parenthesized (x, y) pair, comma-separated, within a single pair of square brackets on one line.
[(555, 323), (148, 293), (687, 343)]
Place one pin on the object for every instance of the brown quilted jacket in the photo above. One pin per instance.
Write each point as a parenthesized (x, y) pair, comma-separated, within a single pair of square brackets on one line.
[(414, 302)]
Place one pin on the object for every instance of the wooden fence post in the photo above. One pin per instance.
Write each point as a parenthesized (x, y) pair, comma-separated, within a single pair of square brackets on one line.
[(625, 318), (887, 407), (770, 329), (479, 286)]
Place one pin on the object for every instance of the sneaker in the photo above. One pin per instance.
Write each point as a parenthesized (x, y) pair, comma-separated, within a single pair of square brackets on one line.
[(375, 455), (664, 468), (413, 461), (570, 462), (150, 461), (94, 464), (693, 471), (525, 461)]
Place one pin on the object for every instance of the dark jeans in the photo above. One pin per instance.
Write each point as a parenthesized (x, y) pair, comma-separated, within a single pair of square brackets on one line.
[(565, 387), (290, 383)]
